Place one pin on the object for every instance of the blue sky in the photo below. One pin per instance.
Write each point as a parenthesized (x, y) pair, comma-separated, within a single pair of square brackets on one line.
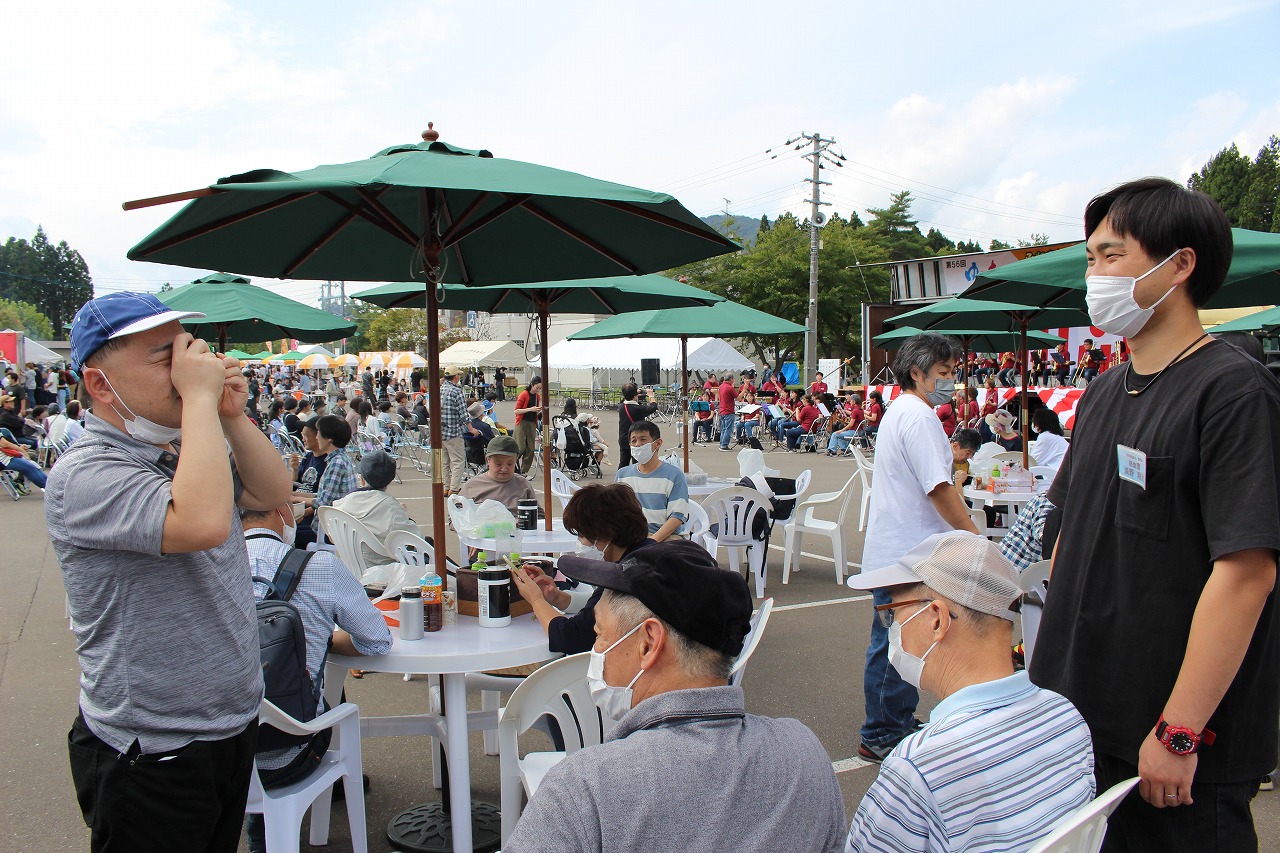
[(1002, 118)]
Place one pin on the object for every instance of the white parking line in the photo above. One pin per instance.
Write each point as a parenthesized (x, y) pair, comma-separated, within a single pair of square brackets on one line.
[(821, 603), (847, 764)]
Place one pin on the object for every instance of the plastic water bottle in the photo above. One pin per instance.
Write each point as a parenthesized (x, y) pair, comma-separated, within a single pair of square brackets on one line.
[(432, 587)]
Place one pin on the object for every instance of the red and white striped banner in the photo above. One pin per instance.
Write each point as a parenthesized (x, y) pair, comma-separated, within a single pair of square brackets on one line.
[(1062, 401)]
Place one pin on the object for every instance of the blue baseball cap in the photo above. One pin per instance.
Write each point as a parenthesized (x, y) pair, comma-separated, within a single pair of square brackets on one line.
[(114, 316)]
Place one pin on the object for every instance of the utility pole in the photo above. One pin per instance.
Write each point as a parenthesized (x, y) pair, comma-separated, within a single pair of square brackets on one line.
[(816, 220)]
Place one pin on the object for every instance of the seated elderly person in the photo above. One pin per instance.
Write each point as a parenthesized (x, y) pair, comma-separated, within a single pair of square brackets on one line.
[(607, 518), (686, 767), (500, 483), (327, 595), (964, 444), (477, 428), (1000, 760), (379, 511)]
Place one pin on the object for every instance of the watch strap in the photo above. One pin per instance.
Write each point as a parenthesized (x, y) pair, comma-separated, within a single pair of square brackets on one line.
[(1204, 738)]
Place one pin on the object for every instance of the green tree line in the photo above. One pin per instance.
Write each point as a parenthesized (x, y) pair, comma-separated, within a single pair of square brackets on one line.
[(53, 278)]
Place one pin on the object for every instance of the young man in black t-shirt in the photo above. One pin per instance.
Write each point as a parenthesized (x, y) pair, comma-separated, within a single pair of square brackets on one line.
[(1161, 624)]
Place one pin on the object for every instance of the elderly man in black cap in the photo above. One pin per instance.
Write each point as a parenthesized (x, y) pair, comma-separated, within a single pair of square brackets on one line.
[(685, 767)]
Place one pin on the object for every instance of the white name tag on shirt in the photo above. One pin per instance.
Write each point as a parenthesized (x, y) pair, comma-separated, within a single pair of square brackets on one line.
[(1133, 465)]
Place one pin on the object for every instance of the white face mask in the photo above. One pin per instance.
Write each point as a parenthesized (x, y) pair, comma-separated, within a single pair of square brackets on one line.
[(141, 428), (643, 453), (613, 702), (1112, 307), (289, 530), (908, 665)]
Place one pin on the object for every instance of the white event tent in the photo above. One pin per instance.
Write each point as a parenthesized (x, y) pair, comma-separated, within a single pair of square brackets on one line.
[(484, 354), (705, 354)]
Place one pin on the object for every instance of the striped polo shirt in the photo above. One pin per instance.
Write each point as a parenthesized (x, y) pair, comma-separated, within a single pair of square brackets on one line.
[(663, 493), (998, 765)]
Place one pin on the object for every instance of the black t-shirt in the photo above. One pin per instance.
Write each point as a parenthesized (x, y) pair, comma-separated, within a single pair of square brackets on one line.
[(629, 413), (310, 470), (1132, 562), (293, 425)]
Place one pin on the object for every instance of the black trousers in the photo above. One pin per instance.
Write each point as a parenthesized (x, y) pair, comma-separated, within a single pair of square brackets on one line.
[(189, 799), (1218, 819)]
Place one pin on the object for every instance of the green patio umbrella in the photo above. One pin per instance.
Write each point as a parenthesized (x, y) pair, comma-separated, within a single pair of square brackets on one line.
[(237, 310), (961, 314), (1262, 321), (616, 295), (434, 212), (262, 356), (971, 340), (287, 357), (1056, 279), (240, 354), (722, 320)]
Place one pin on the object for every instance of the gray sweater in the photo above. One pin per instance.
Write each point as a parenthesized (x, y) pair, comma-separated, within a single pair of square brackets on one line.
[(686, 771)]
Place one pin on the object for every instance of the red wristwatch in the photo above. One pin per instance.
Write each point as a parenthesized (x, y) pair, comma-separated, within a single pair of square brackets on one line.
[(1181, 740)]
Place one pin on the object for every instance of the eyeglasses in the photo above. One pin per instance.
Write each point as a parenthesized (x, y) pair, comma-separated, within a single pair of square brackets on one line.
[(884, 612)]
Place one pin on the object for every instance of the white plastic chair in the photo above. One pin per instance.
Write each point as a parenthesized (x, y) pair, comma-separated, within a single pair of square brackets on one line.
[(865, 471), (348, 534), (733, 510), (979, 517), (1013, 456), (558, 689), (1082, 831), (1043, 476), (283, 808), (698, 525), (805, 521), (1033, 583), (562, 487), (749, 643)]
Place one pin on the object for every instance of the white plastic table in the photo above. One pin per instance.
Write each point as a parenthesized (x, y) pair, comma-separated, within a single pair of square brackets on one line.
[(713, 485), (451, 653), (540, 541), (1015, 500)]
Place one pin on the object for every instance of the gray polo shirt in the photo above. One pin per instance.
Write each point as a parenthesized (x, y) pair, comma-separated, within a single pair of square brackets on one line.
[(168, 643), (689, 770)]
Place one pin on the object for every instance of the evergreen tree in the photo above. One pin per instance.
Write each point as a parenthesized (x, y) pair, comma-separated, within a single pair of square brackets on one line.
[(55, 279), (894, 229), (764, 226), (997, 245), (1226, 178), (938, 242)]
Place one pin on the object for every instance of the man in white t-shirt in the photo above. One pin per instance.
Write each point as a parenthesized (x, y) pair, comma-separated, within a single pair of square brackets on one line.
[(913, 499)]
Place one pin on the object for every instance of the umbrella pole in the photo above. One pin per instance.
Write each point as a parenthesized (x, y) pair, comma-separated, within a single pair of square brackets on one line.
[(1026, 429), (439, 530), (544, 321), (684, 396)]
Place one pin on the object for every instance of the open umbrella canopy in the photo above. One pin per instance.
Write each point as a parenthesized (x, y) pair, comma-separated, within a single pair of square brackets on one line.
[(1056, 279), (725, 319), (1262, 321), (236, 310), (349, 359), (288, 357), (262, 356), (967, 313), (314, 361), (241, 354), (407, 361), (612, 295), (972, 340), (498, 221)]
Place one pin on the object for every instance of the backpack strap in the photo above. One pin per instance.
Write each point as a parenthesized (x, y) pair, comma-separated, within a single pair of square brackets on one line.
[(289, 573)]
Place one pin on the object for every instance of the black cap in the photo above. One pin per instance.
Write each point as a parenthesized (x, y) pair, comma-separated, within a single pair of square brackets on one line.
[(683, 585)]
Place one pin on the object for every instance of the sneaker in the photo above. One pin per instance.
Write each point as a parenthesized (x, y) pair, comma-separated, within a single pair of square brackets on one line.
[(726, 450), (877, 754), (1266, 784), (22, 487)]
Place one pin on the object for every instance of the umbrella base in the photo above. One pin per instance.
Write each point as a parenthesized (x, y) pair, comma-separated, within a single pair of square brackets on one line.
[(427, 828)]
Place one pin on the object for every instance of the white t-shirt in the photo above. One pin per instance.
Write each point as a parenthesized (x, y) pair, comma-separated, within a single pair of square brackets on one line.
[(912, 458), (1048, 450)]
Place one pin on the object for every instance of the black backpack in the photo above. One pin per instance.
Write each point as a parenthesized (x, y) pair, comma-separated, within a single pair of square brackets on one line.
[(282, 640)]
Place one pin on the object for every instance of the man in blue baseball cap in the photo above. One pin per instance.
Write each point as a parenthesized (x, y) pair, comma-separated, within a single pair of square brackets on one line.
[(142, 515)]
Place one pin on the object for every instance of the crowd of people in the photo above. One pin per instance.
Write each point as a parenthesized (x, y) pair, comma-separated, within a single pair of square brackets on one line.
[(1158, 655)]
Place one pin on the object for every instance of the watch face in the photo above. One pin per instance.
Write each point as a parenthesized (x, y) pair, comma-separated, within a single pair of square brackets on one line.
[(1181, 743)]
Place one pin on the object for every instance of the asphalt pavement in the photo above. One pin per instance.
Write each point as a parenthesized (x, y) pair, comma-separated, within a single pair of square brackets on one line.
[(808, 666)]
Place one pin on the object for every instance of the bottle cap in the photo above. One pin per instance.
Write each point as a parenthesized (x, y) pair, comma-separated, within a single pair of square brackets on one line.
[(411, 592)]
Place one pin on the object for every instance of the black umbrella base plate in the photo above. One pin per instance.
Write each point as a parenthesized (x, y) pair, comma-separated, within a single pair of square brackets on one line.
[(427, 828)]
